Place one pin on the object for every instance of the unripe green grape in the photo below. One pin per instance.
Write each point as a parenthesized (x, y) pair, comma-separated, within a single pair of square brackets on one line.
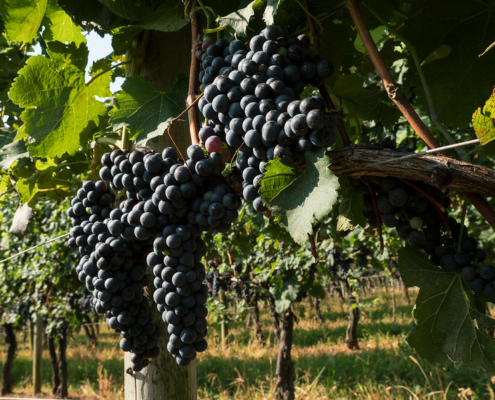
[(416, 223)]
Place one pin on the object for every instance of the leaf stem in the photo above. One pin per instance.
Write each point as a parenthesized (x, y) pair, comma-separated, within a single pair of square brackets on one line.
[(208, 15), (126, 143), (108, 70), (215, 30)]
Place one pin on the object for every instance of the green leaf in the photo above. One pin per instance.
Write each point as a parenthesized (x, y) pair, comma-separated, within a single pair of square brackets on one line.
[(145, 110), (459, 81), (444, 327), (11, 153), (484, 121), (60, 107), (377, 106), (11, 150), (271, 11), (348, 87), (22, 18), (285, 295), (59, 26), (350, 207), (168, 17), (238, 20), (300, 198), (68, 54)]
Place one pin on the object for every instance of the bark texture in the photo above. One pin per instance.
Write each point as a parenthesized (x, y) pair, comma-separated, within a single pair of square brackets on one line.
[(274, 315), (284, 383), (62, 362), (8, 363), (52, 352), (440, 171)]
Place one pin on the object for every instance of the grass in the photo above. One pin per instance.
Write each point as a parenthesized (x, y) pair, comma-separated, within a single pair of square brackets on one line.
[(384, 368)]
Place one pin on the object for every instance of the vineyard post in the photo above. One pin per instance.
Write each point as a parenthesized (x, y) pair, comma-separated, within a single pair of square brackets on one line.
[(164, 56), (37, 353), (224, 326), (8, 363)]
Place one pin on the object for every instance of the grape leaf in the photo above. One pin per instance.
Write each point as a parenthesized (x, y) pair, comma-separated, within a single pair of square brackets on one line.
[(11, 150), (145, 110), (348, 87), (271, 11), (285, 293), (300, 198), (59, 26), (60, 107), (484, 121), (68, 54), (168, 17), (350, 207), (377, 106), (444, 326), (22, 18), (238, 20)]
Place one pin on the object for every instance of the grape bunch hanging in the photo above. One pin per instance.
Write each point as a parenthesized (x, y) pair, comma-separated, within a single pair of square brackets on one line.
[(252, 107), (419, 214), (148, 211)]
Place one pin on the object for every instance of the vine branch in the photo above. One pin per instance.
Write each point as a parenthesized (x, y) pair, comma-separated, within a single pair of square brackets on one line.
[(193, 113)]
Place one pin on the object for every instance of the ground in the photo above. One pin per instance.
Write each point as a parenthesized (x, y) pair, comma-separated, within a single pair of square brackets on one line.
[(384, 368)]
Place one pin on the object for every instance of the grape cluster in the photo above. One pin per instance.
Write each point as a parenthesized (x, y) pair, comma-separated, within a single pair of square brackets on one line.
[(167, 204), (180, 294), (251, 102), (414, 210), (114, 275)]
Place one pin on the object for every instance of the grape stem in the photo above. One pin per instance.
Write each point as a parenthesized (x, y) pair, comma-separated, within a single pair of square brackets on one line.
[(403, 104), (313, 247), (208, 15), (193, 113)]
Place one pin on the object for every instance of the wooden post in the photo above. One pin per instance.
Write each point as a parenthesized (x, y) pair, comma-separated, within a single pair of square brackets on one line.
[(224, 326), (163, 379), (37, 353)]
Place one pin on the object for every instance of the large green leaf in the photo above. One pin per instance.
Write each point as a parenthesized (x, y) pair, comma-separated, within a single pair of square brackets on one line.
[(238, 20), (60, 107), (22, 18), (484, 121), (10, 150), (458, 82), (168, 17), (300, 197), (145, 110), (444, 315), (68, 54), (271, 11), (377, 106), (350, 207), (59, 26)]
